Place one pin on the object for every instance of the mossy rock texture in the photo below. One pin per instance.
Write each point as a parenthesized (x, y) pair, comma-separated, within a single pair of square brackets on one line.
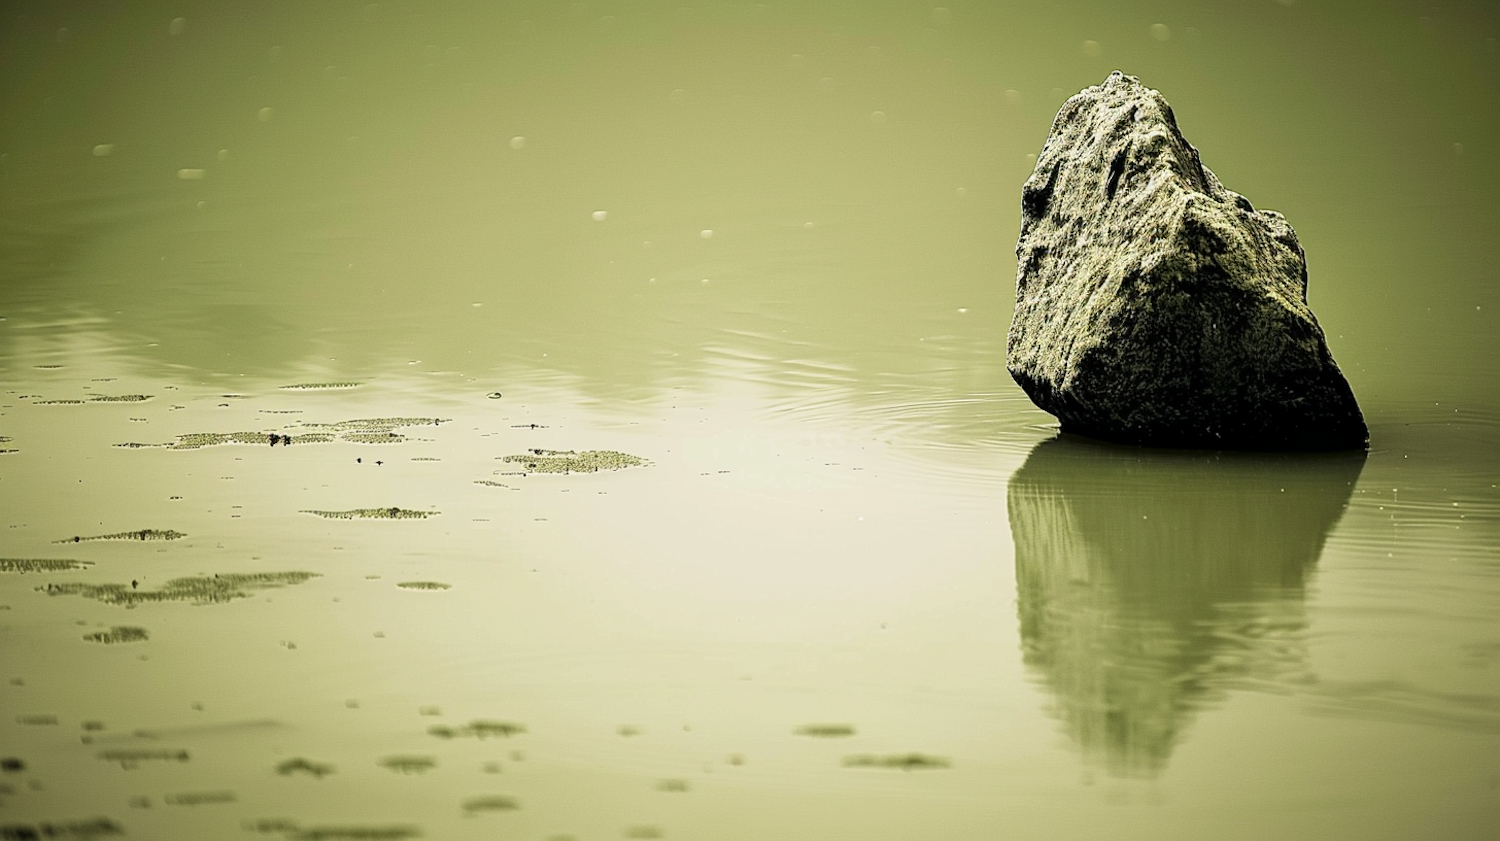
[(1156, 307)]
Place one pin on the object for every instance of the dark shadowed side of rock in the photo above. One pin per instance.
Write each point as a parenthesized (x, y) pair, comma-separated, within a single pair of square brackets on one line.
[(1154, 306)]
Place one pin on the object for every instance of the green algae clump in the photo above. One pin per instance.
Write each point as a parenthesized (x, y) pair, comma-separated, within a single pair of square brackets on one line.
[(201, 589), (424, 585), (572, 461), (321, 386)]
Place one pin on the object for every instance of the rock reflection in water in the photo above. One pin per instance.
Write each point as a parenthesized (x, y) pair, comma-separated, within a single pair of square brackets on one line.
[(1150, 582)]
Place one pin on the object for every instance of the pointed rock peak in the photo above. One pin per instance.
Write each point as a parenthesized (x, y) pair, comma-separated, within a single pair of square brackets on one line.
[(1155, 306)]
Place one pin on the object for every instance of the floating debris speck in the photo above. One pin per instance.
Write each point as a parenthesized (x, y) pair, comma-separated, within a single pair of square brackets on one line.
[(119, 634), (571, 461), (142, 534), (197, 589), (392, 513)]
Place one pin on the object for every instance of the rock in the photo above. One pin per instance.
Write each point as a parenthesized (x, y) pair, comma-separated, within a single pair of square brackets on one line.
[(1156, 307)]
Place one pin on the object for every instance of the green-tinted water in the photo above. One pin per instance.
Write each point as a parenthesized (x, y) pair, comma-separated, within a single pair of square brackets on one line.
[(590, 420)]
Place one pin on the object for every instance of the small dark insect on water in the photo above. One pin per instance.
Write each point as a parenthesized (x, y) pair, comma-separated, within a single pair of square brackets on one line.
[(134, 584)]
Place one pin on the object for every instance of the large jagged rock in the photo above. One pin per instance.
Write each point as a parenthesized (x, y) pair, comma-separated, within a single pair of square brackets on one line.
[(1154, 306)]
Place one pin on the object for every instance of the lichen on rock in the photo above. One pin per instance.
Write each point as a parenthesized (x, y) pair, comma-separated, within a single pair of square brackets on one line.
[(1153, 305)]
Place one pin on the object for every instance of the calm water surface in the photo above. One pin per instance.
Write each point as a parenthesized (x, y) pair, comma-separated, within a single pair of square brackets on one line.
[(859, 588)]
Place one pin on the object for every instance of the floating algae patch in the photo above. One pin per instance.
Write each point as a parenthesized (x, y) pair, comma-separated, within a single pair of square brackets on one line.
[(292, 832), (94, 828), (825, 731), (200, 798), (493, 484), (362, 431), (196, 440), (119, 634), (424, 585), (899, 761), (24, 565), (372, 425), (302, 765), (201, 589), (142, 534), (479, 728), (133, 757), (321, 386), (99, 398), (392, 513), (572, 461), (491, 803), (373, 437), (409, 764)]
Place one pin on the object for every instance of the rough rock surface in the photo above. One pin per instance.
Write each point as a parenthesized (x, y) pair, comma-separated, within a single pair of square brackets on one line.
[(1154, 306)]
